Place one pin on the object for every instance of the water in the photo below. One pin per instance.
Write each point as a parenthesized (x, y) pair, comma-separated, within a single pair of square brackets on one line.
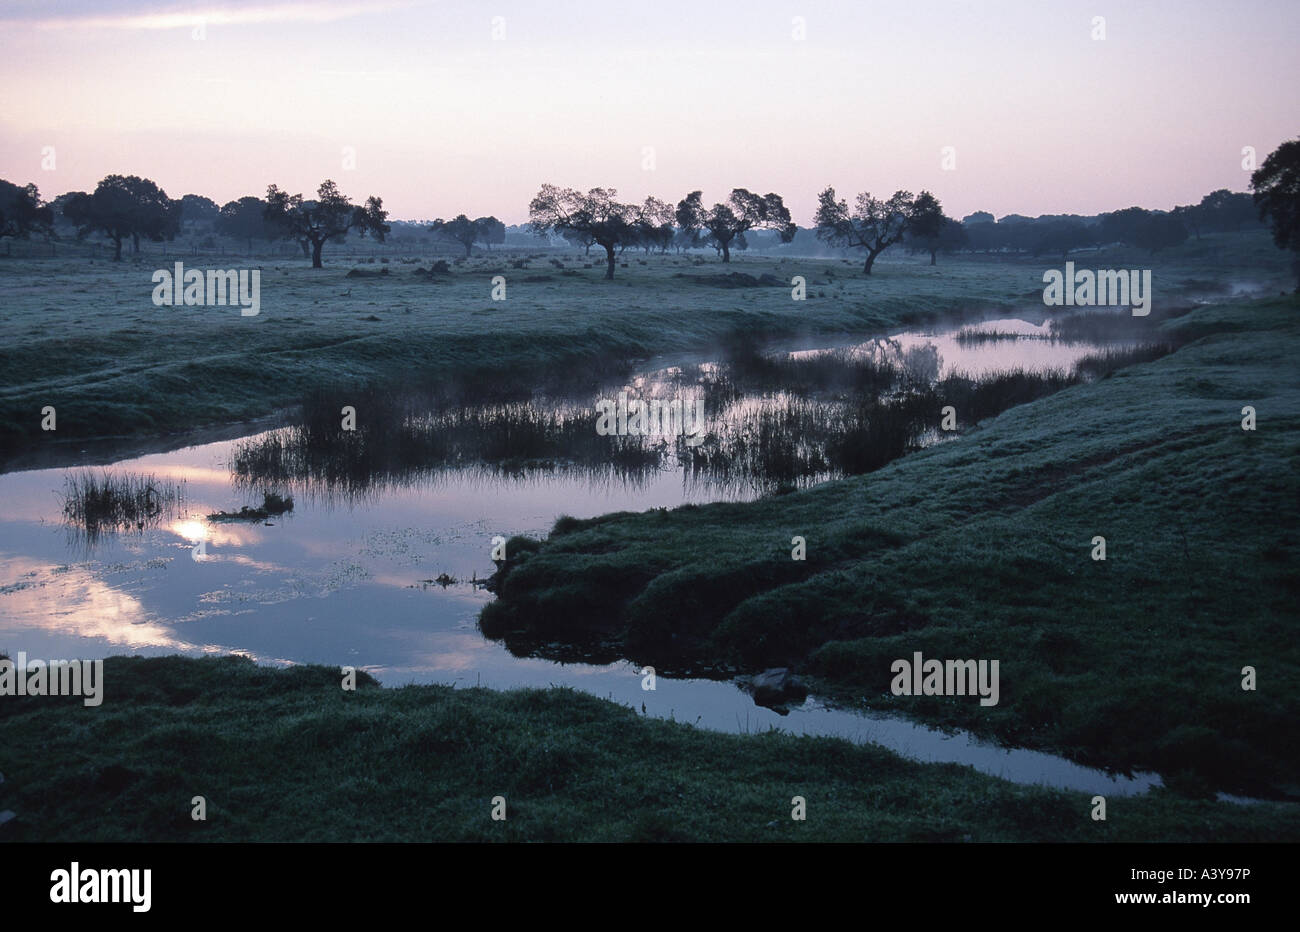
[(349, 580)]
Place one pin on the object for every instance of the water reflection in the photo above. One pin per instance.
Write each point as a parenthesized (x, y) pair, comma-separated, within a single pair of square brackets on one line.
[(343, 577)]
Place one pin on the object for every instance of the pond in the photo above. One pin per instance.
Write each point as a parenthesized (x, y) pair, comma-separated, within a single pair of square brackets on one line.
[(387, 577)]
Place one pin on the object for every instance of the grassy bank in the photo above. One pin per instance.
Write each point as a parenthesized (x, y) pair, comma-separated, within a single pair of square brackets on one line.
[(84, 337), (286, 755), (981, 548)]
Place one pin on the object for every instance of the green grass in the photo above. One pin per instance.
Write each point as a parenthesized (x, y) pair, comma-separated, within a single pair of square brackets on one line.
[(84, 336), (981, 548), (286, 755)]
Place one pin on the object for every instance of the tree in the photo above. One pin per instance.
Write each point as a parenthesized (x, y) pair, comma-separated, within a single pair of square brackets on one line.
[(581, 238), (743, 211), (926, 226), (22, 212), (1225, 211), (492, 232), (1159, 231), (245, 219), (1059, 236), (1277, 196), (329, 217), (873, 224), (654, 224), (461, 229), (596, 213), (195, 208), (1121, 226), (122, 207)]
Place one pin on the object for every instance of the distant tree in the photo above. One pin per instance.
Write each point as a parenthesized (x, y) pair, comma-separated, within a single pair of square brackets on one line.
[(492, 232), (583, 238), (743, 211), (461, 229), (22, 212), (1277, 196), (1225, 211), (1059, 236), (873, 224), (1190, 214), (195, 208), (124, 207), (926, 226), (1121, 226), (654, 225), (980, 216), (686, 239), (329, 217), (609, 222), (245, 219), (1160, 231)]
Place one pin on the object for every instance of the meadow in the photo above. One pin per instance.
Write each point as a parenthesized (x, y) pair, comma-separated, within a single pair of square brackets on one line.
[(81, 334), (980, 547)]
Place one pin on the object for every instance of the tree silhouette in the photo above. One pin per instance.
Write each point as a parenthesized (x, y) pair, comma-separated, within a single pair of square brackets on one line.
[(1158, 231), (124, 207), (1277, 195), (195, 208), (467, 232), (743, 211), (329, 217), (596, 213), (22, 211), (245, 219), (925, 229), (873, 224)]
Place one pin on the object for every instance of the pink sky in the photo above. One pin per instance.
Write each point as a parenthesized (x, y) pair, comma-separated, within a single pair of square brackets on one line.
[(446, 119)]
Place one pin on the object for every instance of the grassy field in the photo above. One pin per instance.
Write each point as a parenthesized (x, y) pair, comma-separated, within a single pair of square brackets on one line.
[(286, 755), (82, 334), (977, 548), (981, 548)]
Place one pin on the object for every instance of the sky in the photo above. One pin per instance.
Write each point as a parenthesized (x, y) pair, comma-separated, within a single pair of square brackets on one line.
[(443, 108)]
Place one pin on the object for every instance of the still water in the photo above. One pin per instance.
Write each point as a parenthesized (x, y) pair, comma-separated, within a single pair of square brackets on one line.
[(347, 580)]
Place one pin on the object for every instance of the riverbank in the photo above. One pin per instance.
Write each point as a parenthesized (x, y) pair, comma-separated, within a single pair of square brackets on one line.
[(288, 755), (984, 548), (83, 336)]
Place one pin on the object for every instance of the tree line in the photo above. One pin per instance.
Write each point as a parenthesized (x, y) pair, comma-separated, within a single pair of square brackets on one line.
[(127, 208)]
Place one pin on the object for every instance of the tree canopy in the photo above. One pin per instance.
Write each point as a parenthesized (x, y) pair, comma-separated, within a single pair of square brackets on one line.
[(329, 217)]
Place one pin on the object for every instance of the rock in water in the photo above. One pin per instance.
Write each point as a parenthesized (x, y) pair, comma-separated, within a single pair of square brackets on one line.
[(777, 687)]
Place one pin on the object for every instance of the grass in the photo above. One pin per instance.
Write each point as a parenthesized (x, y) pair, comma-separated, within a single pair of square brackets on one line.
[(83, 335), (287, 755), (981, 548), (96, 504)]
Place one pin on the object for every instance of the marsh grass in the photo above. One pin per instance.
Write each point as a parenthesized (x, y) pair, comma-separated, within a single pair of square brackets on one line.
[(106, 502), (774, 420)]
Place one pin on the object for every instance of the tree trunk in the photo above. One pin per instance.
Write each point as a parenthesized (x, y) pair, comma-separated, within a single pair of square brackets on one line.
[(609, 263), (871, 260), (117, 249), (469, 247), (135, 242), (315, 253), (726, 252), (932, 262)]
